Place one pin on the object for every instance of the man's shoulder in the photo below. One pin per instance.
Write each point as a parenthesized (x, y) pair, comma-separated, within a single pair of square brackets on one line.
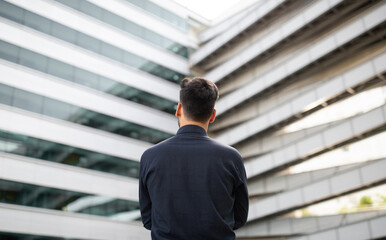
[(155, 149), (226, 149)]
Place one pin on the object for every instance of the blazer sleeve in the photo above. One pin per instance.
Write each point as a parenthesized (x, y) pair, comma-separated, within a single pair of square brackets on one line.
[(241, 205), (144, 197)]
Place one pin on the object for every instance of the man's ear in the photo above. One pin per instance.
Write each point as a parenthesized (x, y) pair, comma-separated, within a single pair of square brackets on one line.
[(211, 119), (179, 110)]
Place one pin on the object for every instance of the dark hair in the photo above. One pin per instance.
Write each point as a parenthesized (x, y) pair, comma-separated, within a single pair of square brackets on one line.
[(198, 96)]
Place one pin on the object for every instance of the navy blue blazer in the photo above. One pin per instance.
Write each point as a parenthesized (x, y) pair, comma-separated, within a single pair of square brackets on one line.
[(192, 187)]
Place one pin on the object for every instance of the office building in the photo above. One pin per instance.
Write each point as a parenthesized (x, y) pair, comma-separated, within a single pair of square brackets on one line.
[(87, 86)]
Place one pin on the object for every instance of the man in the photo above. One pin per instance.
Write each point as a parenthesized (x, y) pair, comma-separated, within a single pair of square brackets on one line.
[(190, 186)]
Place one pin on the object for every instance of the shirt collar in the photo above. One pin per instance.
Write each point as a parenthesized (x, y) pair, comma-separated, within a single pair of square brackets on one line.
[(192, 129)]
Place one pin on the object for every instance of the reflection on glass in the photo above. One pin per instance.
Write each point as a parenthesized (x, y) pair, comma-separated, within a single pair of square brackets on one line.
[(45, 150), (352, 153), (129, 26), (57, 199), (70, 73), (65, 111), (357, 104), (367, 200), (70, 35)]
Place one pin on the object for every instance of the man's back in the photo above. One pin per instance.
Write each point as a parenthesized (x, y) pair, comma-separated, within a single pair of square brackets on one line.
[(191, 187)]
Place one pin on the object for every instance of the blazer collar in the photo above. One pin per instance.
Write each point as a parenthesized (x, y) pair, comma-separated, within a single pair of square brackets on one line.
[(192, 129)]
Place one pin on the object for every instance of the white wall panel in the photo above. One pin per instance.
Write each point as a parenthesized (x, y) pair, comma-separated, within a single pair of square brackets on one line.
[(377, 227), (356, 231), (329, 234)]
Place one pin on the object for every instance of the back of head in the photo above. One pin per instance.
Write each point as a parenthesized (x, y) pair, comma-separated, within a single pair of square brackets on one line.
[(198, 96)]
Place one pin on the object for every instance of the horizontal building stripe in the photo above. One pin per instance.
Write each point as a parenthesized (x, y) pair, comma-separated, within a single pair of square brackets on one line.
[(368, 229), (253, 15), (88, 42), (36, 148), (46, 222), (304, 225), (105, 32), (54, 48), (274, 184), (341, 183), (306, 56), (36, 82), (169, 11), (337, 133), (219, 28), (307, 100), (59, 131), (36, 103), (60, 176), (145, 19), (31, 60)]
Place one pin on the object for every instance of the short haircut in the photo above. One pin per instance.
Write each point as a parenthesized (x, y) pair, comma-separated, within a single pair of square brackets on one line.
[(198, 96)]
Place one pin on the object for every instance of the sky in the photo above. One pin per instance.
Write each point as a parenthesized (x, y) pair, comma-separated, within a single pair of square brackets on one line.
[(212, 9)]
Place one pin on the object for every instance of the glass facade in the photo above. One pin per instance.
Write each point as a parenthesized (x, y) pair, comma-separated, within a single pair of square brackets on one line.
[(71, 73), (50, 107), (161, 13), (23, 145), (128, 26), (72, 36), (16, 236), (63, 200)]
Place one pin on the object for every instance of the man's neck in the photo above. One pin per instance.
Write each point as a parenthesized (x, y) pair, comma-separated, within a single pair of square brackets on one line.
[(200, 124)]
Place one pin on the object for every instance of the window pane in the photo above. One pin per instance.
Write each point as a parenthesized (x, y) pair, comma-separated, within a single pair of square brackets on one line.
[(133, 60), (91, 9), (33, 60), (56, 109), (139, 3), (71, 3), (35, 21), (86, 78), (89, 43), (6, 94), (8, 51), (105, 84), (64, 33), (60, 69), (111, 52), (134, 29), (113, 19), (11, 12), (28, 101), (153, 8), (153, 37)]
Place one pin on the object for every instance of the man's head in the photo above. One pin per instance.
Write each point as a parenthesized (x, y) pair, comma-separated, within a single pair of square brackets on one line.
[(197, 99)]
